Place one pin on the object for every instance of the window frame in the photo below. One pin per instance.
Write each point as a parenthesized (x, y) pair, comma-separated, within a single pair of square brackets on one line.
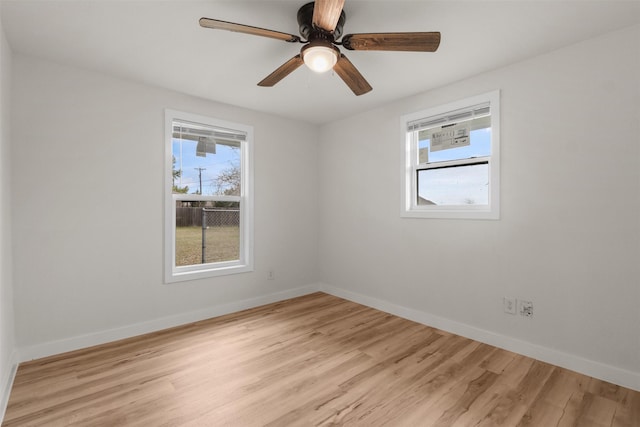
[(175, 273), (411, 165)]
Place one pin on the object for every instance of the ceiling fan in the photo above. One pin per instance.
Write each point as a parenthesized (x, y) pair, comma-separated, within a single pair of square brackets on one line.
[(321, 24)]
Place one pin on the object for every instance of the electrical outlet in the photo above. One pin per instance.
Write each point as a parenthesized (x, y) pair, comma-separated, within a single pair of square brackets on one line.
[(509, 305), (525, 308), (271, 275)]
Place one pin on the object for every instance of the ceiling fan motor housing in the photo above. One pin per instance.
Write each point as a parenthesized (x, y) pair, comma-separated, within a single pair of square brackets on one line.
[(307, 30)]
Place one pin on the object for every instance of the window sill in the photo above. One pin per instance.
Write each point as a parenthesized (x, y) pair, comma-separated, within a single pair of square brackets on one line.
[(445, 212), (183, 276)]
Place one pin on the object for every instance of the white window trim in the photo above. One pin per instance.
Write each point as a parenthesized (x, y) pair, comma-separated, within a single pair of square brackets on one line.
[(200, 271), (409, 208)]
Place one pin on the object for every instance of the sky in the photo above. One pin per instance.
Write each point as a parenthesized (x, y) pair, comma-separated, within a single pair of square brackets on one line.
[(184, 152)]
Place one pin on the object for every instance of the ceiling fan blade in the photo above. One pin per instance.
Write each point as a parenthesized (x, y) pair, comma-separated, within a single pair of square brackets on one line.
[(409, 42), (247, 29), (326, 14), (351, 76), (283, 71)]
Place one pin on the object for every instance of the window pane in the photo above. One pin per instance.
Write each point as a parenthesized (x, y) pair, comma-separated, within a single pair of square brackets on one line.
[(206, 165), (479, 146), (454, 186), (207, 232)]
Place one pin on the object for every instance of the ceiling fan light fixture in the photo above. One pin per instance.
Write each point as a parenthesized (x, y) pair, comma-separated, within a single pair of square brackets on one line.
[(320, 57)]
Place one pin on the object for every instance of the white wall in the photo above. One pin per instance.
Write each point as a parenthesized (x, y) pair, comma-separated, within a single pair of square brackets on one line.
[(569, 234), (88, 154), (7, 342)]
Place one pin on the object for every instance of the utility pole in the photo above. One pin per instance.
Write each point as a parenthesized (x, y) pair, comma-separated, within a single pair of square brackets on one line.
[(200, 176)]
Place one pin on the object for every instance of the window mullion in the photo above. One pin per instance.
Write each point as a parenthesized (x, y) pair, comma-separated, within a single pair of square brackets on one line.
[(206, 198), (453, 163)]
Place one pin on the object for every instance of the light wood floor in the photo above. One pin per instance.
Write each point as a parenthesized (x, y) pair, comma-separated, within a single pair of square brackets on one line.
[(313, 360)]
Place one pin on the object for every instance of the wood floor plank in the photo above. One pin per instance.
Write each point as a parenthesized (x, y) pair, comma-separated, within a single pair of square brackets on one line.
[(472, 390), (628, 410), (316, 360)]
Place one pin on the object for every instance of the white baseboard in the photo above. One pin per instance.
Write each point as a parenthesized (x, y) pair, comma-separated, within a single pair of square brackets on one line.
[(83, 341), (572, 362), (7, 383)]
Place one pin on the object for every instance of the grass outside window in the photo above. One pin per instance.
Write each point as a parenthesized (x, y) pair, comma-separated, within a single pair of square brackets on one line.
[(222, 244)]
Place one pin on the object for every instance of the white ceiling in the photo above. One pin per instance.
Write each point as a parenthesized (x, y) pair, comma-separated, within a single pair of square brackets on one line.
[(161, 43)]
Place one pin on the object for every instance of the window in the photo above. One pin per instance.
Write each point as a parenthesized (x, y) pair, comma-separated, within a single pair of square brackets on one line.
[(208, 197), (451, 158)]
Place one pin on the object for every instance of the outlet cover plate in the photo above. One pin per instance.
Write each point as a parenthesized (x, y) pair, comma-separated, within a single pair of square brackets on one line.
[(509, 305), (525, 308)]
